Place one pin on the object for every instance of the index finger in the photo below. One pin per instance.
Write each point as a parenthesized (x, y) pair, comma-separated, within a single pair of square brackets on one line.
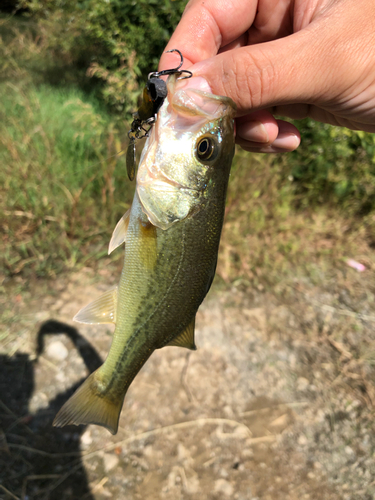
[(206, 26)]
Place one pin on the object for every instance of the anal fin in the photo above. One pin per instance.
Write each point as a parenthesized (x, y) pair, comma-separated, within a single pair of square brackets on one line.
[(185, 338), (101, 310)]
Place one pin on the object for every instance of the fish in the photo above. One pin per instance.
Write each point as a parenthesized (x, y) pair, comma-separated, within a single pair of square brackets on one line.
[(171, 234)]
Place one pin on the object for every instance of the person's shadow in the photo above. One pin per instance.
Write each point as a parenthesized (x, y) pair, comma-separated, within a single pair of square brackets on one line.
[(32, 460)]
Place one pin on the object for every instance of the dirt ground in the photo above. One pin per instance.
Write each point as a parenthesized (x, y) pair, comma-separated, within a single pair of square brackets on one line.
[(276, 403)]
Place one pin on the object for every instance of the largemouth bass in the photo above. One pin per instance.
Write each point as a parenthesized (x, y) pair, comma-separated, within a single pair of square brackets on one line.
[(171, 234)]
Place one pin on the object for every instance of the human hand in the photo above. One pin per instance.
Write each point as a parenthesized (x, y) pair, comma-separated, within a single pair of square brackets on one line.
[(301, 58)]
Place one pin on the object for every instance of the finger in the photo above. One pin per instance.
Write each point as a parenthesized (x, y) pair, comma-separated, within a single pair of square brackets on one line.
[(299, 111), (207, 26), (294, 69), (309, 66), (265, 75), (288, 139), (235, 44), (272, 21), (260, 127)]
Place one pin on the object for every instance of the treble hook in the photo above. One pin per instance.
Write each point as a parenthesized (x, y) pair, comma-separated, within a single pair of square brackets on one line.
[(158, 74)]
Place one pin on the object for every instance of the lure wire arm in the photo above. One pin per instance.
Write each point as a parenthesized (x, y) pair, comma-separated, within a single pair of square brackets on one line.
[(154, 95)]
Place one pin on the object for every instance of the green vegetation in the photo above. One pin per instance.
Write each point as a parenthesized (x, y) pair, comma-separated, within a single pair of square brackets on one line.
[(117, 43), (334, 165), (71, 73), (268, 232), (62, 179)]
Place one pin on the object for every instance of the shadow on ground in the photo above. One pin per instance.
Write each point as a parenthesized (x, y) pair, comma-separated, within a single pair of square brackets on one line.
[(38, 461)]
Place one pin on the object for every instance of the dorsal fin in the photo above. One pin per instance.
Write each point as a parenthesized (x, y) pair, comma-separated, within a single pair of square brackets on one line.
[(101, 310), (186, 338), (119, 233)]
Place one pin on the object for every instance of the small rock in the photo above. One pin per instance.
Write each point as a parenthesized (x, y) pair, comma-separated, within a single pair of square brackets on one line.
[(57, 351), (349, 450), (41, 316), (292, 361), (247, 453), (172, 479), (223, 473), (57, 305), (224, 487), (302, 440), (182, 453), (302, 383), (228, 411), (110, 461), (86, 439), (193, 485)]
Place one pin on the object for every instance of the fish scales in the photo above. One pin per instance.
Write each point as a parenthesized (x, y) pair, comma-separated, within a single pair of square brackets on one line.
[(172, 237)]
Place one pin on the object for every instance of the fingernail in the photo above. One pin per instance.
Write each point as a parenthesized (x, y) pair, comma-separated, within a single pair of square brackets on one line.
[(255, 132), (286, 142)]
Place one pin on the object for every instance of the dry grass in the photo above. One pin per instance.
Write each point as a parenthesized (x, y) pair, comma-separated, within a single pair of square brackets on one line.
[(62, 179), (265, 238)]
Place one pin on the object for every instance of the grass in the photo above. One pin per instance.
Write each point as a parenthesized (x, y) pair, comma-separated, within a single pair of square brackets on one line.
[(62, 178), (63, 185), (265, 238)]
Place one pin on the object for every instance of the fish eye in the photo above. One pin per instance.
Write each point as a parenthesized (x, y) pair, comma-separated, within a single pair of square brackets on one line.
[(206, 148)]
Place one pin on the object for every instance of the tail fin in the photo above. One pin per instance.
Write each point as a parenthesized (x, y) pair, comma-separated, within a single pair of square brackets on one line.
[(89, 406)]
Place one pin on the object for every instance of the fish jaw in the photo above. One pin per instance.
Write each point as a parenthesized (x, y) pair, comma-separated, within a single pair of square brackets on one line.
[(172, 183)]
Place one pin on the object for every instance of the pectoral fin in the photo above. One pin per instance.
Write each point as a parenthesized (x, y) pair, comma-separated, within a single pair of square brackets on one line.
[(119, 234), (185, 338), (148, 247), (101, 310)]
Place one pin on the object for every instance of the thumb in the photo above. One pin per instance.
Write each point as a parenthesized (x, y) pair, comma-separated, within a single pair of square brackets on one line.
[(294, 69)]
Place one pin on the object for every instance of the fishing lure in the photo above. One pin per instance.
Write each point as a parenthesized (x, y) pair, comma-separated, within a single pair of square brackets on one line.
[(154, 94)]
